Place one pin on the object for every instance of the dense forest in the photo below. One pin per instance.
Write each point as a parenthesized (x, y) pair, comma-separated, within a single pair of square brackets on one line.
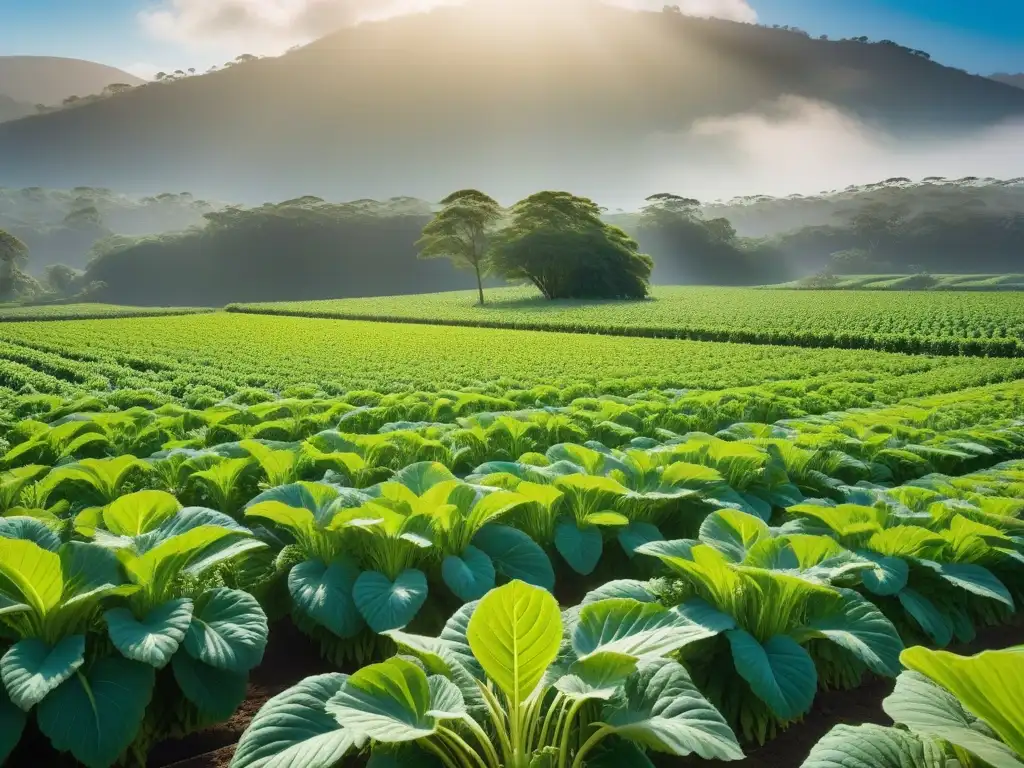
[(173, 249)]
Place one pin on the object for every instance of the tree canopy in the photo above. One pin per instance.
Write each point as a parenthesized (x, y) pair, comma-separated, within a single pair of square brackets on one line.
[(12, 252), (461, 232), (559, 243)]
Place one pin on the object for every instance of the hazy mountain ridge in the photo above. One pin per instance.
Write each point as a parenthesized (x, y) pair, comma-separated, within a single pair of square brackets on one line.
[(426, 103), (51, 79), (11, 109), (1015, 80)]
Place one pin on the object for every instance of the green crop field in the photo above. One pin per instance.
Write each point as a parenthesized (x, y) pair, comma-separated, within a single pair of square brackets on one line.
[(576, 548), (1001, 282), (12, 312), (937, 322)]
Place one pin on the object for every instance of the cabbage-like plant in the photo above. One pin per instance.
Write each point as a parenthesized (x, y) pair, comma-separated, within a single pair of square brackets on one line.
[(94, 481), (72, 439), (950, 710), (14, 481), (934, 578), (86, 700), (180, 619), (760, 670), (361, 559), (223, 483), (510, 682)]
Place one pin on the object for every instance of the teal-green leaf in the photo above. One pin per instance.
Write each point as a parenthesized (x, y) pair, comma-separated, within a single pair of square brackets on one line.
[(931, 711), (889, 575), (390, 605), (928, 617), (597, 676), (636, 534), (641, 630), (323, 593), (154, 639), (446, 700), (228, 630), (386, 702), (662, 709), (294, 730), (780, 672), (216, 693), (31, 669), (403, 756), (12, 723), (29, 529), (864, 631), (581, 547), (976, 579), (422, 476), (96, 714), (615, 752), (471, 576), (873, 746), (630, 588), (515, 555)]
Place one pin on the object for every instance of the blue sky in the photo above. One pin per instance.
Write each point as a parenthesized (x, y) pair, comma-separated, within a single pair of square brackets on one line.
[(979, 35)]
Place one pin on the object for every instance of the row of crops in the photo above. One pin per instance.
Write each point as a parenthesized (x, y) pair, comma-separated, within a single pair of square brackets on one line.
[(531, 577), (962, 323), (15, 313), (201, 359)]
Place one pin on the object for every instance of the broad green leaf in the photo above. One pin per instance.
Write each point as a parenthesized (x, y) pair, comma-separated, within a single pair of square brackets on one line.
[(34, 572), (228, 630), (515, 555), (641, 630), (31, 669), (930, 710), (974, 578), (154, 639), (607, 518), (733, 533), (636, 535), (294, 730), (864, 631), (388, 702), (471, 576), (138, 513), (161, 564), (598, 676), (422, 476), (216, 693), (780, 672), (927, 616), (387, 604), (96, 714), (872, 746), (299, 521), (515, 633), (324, 594), (581, 547), (905, 541), (663, 710), (628, 588), (30, 529), (494, 506), (889, 575), (446, 702), (988, 685), (12, 723), (615, 752)]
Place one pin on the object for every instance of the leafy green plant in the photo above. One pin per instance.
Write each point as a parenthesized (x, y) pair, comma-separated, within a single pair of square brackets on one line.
[(95, 481), (949, 709), (509, 682), (760, 669)]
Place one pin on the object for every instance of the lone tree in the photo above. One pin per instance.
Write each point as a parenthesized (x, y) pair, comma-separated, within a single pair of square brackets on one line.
[(461, 232), (12, 252), (559, 243)]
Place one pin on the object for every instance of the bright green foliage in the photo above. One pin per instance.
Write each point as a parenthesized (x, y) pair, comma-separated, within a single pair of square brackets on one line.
[(954, 709), (505, 684)]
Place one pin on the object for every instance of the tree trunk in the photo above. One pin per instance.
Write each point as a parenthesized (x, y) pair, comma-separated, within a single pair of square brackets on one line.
[(479, 283)]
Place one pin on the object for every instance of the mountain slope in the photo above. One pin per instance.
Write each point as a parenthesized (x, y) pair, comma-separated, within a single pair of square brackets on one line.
[(481, 95), (49, 80), (1016, 80), (11, 109)]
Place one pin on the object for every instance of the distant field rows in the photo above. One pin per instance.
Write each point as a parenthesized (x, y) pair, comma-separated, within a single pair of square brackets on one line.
[(223, 351), (11, 314), (944, 323)]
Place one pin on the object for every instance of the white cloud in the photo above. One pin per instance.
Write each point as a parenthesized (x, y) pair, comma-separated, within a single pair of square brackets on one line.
[(270, 26), (144, 69), (805, 146)]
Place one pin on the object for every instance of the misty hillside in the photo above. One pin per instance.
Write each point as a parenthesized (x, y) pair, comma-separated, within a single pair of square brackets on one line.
[(10, 109), (576, 96), (50, 79), (1016, 80)]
